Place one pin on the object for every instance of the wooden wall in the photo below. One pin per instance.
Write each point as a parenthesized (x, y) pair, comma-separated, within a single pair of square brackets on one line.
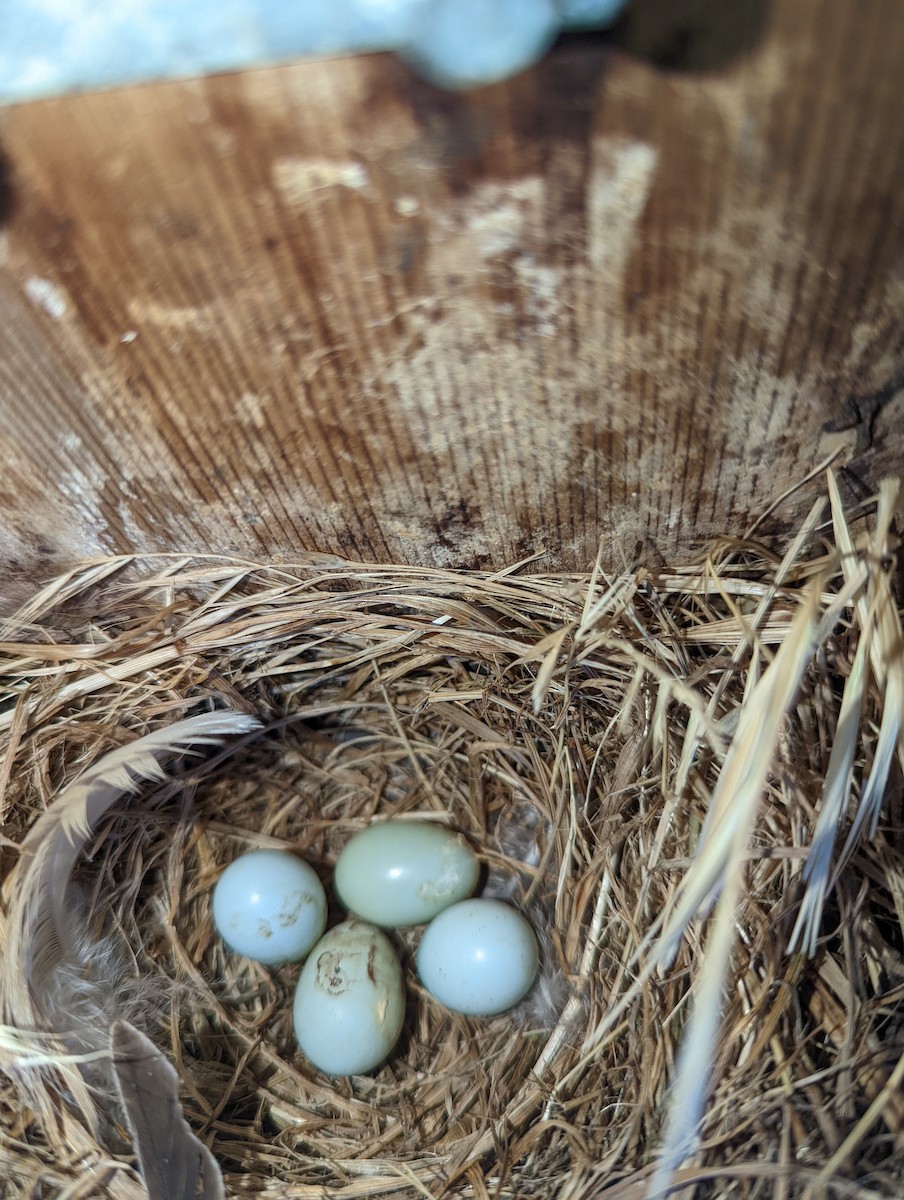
[(626, 299)]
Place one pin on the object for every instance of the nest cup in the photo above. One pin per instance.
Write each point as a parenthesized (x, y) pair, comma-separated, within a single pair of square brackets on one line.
[(575, 729)]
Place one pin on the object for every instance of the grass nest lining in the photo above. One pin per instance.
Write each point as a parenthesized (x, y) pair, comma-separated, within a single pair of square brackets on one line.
[(688, 779)]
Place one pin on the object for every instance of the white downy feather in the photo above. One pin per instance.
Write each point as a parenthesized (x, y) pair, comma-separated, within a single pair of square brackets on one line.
[(36, 924), (55, 981)]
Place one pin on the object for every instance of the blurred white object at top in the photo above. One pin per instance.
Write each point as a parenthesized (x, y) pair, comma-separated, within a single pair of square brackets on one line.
[(53, 46)]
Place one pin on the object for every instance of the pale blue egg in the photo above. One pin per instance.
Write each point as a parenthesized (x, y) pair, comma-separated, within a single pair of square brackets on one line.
[(400, 873), (270, 906), (479, 957), (465, 43), (350, 1000)]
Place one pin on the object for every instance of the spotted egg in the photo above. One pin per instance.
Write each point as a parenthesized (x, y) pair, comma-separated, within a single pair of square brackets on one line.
[(350, 1000), (270, 906), (397, 873)]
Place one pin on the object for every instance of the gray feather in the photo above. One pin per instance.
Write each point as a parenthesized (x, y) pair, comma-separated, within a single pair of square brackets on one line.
[(175, 1165)]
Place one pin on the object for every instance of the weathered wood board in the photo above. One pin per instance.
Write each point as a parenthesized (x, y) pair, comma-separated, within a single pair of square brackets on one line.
[(327, 307)]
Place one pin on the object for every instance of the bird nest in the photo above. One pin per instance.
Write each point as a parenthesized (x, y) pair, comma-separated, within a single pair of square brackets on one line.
[(688, 779)]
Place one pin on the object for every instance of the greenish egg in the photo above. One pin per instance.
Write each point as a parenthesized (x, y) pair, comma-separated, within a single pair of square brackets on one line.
[(399, 873)]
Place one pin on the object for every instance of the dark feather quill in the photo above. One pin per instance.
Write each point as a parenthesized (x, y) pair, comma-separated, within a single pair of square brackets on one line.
[(175, 1165)]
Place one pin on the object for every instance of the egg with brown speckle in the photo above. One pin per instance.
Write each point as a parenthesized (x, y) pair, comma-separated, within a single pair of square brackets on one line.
[(350, 1000), (270, 906)]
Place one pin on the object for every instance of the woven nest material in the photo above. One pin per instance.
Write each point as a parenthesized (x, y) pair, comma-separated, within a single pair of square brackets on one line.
[(661, 769)]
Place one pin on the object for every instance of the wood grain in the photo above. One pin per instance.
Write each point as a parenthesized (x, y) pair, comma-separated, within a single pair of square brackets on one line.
[(327, 307)]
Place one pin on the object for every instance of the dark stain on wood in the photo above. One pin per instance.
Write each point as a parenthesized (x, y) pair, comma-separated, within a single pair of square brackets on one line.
[(7, 189), (862, 413)]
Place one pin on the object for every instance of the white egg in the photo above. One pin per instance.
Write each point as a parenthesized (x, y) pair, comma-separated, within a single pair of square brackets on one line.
[(478, 957), (400, 873), (270, 906), (350, 1000)]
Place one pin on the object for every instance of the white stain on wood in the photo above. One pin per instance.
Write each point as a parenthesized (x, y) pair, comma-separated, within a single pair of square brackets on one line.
[(202, 318), (501, 215), (621, 174), (541, 285), (301, 180), (45, 294)]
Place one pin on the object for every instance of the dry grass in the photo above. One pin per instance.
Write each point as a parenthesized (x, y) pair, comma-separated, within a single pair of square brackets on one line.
[(643, 763)]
